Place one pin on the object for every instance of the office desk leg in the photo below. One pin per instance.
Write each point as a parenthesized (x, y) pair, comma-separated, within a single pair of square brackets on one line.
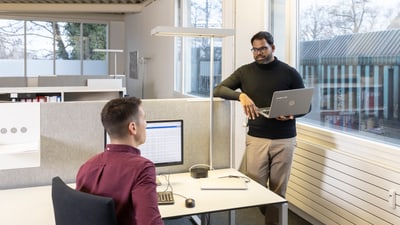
[(232, 217), (205, 217), (283, 214)]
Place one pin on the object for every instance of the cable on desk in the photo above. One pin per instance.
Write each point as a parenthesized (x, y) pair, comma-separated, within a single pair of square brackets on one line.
[(246, 179), (169, 186), (181, 196), (167, 195)]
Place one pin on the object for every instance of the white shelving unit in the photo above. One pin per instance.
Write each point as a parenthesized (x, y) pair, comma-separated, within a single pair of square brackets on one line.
[(58, 94)]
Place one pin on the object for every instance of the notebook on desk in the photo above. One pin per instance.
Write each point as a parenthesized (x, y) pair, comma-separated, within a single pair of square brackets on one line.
[(223, 183), (288, 102)]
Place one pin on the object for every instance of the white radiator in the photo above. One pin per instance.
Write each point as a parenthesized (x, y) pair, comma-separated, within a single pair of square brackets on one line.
[(337, 187)]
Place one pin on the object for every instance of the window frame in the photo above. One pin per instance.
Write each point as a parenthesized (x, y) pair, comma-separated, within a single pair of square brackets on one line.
[(182, 85)]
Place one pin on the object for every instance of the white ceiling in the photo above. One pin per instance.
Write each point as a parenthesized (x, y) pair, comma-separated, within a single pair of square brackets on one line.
[(74, 1), (73, 6)]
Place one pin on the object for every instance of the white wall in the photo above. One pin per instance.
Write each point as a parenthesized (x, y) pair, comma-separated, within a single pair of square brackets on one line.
[(156, 71), (245, 29)]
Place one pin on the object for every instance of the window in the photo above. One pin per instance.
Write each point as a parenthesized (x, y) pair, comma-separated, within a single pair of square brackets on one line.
[(192, 55), (12, 44), (348, 51), (39, 48), (34, 48)]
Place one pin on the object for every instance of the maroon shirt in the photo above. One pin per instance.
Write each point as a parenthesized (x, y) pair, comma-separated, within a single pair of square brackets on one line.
[(121, 173)]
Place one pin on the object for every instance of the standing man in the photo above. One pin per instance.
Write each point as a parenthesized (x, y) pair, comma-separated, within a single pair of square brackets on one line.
[(120, 172), (270, 143)]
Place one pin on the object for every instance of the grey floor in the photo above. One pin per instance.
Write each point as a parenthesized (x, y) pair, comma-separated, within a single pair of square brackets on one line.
[(248, 216)]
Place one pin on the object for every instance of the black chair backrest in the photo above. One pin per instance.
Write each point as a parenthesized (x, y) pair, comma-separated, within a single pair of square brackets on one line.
[(72, 207)]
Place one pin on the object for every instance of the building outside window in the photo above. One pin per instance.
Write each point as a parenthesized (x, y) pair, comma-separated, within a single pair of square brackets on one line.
[(37, 48), (349, 51)]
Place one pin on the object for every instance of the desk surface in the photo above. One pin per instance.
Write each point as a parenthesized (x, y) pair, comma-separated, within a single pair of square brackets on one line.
[(34, 205), (213, 200)]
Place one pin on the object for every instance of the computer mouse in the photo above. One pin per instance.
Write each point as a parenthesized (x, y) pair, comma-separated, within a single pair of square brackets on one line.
[(189, 203)]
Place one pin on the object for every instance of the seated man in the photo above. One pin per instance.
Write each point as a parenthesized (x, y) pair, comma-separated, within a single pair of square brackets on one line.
[(120, 171)]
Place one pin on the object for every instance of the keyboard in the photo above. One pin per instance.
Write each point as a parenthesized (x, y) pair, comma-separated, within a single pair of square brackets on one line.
[(165, 198)]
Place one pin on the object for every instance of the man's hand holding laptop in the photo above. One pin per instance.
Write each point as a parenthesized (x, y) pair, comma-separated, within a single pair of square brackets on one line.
[(251, 110)]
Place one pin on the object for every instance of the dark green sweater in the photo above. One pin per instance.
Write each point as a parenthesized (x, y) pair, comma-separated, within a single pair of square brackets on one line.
[(259, 81)]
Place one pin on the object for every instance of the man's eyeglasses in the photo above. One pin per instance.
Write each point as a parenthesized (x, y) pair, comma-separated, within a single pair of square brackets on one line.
[(261, 50)]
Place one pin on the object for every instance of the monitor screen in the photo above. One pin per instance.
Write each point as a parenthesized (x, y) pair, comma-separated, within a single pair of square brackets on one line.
[(164, 142)]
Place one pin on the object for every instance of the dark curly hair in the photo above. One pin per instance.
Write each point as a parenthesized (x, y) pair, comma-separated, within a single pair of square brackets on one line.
[(263, 35)]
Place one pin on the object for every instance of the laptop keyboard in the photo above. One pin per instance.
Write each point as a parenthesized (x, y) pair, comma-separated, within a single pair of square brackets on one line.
[(165, 197)]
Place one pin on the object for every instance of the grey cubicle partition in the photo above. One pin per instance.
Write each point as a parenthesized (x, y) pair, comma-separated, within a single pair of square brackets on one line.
[(13, 82), (72, 80), (71, 132), (55, 81)]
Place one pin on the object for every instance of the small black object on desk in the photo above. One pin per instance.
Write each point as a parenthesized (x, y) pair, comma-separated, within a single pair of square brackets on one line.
[(199, 171), (189, 203)]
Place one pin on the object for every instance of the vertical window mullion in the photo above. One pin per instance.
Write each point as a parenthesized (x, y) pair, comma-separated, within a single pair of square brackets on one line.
[(81, 47)]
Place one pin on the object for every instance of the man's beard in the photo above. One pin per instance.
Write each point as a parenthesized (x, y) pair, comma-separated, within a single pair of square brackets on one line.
[(264, 59)]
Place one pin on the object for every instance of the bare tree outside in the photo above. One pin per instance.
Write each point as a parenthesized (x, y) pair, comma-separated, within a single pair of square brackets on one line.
[(199, 14), (38, 44), (318, 25), (206, 14), (326, 19), (12, 39)]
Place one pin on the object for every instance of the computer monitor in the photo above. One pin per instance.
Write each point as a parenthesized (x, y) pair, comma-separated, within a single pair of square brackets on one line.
[(164, 142)]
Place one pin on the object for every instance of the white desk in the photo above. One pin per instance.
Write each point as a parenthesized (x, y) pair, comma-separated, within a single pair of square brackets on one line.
[(34, 206), (208, 201)]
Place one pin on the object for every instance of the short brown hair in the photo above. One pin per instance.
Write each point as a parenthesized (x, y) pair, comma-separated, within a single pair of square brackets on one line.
[(118, 113)]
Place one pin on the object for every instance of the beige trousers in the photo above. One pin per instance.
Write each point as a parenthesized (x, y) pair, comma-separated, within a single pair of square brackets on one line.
[(269, 161)]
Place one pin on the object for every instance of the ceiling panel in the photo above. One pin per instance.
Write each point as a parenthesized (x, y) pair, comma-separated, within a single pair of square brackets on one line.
[(73, 6), (72, 1)]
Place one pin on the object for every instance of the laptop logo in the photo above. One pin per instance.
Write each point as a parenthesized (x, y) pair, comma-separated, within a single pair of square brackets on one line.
[(292, 102)]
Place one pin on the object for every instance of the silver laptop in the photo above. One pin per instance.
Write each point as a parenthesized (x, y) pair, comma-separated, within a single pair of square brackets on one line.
[(288, 102)]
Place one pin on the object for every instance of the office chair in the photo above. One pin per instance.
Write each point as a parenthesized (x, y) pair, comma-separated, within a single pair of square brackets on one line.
[(72, 207)]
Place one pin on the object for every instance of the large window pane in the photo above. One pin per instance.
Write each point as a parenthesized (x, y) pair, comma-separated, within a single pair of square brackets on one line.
[(39, 48), (192, 73), (68, 48), (349, 51), (12, 47), (52, 48), (75, 44), (94, 37)]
